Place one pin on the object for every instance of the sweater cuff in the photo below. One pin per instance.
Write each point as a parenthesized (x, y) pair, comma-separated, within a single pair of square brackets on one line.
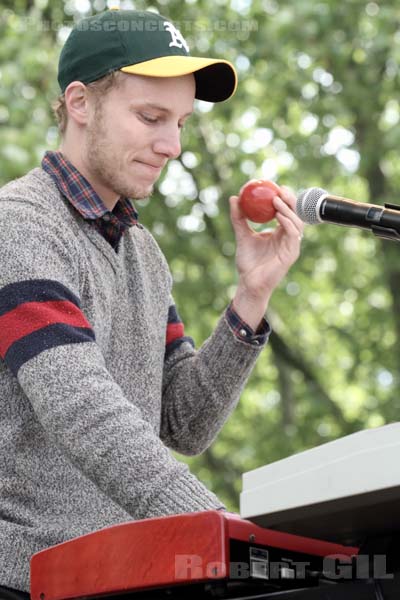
[(244, 332), (183, 495)]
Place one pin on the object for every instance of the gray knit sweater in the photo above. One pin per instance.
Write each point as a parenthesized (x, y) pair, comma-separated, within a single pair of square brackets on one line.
[(89, 403)]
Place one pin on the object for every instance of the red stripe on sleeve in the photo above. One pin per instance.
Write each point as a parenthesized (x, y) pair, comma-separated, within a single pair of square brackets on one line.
[(31, 316), (174, 331)]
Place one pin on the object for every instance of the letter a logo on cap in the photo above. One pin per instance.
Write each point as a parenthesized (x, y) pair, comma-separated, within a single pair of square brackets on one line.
[(176, 36)]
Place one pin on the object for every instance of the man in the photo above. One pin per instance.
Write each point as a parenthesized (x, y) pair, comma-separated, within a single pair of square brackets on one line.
[(98, 380)]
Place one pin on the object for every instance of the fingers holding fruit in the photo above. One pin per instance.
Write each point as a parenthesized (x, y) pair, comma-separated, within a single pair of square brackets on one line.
[(264, 257), (286, 215), (262, 200)]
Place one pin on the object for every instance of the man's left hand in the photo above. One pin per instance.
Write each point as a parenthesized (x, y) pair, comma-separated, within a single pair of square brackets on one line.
[(264, 258)]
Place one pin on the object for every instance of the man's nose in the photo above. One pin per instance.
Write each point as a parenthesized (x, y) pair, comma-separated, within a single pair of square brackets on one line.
[(169, 143)]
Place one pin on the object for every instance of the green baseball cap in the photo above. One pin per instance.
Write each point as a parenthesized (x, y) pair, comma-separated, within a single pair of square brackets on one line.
[(142, 43)]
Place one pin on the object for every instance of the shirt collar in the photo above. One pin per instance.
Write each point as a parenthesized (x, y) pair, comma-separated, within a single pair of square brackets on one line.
[(77, 189)]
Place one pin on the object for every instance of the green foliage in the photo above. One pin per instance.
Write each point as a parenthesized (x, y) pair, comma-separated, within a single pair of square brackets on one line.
[(317, 105)]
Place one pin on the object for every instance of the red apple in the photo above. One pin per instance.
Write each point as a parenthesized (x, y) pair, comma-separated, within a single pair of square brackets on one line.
[(255, 200)]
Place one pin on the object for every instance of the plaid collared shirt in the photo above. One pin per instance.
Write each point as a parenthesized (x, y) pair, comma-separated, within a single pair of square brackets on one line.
[(112, 224), (76, 188)]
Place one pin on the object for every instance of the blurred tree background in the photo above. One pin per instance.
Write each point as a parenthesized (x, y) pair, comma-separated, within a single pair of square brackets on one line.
[(317, 105)]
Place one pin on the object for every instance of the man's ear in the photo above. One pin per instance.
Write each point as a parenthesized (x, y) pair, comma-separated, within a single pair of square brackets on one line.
[(77, 102)]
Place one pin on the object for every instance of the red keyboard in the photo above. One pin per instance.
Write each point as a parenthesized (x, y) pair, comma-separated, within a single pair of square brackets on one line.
[(181, 555)]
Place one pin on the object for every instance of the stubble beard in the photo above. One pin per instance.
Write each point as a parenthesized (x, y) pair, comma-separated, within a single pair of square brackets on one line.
[(105, 166)]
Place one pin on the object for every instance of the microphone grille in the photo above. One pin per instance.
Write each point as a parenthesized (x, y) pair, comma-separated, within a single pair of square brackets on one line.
[(308, 203)]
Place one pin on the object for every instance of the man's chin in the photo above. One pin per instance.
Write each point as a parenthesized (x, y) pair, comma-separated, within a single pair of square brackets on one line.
[(135, 193), (141, 194)]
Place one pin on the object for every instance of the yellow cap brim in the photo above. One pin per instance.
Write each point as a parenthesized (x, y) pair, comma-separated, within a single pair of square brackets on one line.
[(216, 79)]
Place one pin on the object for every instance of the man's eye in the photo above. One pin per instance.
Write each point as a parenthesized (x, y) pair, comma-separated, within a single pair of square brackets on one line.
[(148, 118)]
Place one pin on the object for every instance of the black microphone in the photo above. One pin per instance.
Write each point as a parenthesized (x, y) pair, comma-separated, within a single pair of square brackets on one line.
[(316, 205)]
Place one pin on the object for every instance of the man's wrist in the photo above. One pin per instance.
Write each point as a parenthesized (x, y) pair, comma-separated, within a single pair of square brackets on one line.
[(250, 307)]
